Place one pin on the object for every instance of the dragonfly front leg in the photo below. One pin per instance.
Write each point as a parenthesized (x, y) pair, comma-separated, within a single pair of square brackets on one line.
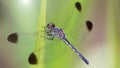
[(49, 37), (52, 37), (48, 34)]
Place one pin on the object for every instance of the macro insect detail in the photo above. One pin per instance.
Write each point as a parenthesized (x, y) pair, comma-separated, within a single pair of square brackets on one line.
[(51, 31)]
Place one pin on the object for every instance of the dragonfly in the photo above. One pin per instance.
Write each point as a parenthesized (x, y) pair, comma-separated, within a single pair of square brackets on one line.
[(52, 32)]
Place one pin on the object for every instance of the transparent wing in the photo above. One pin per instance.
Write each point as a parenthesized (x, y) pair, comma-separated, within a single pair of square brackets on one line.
[(57, 14), (71, 19), (66, 15), (28, 40)]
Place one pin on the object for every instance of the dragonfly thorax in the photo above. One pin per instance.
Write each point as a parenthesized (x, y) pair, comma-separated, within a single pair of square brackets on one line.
[(58, 32), (55, 31)]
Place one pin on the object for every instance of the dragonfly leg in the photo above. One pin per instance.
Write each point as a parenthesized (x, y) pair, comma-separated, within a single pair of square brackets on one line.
[(52, 37), (48, 34), (49, 37)]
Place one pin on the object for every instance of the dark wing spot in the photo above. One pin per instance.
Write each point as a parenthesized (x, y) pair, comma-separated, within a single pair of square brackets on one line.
[(89, 25), (78, 6), (32, 58), (13, 38)]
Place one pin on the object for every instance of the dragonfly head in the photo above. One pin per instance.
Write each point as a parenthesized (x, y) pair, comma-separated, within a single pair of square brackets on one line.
[(50, 26)]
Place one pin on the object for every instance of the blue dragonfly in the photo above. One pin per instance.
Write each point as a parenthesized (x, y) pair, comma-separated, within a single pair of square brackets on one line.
[(50, 32), (53, 31)]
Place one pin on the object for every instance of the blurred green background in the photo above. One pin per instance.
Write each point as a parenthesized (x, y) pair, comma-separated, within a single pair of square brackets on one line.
[(100, 46)]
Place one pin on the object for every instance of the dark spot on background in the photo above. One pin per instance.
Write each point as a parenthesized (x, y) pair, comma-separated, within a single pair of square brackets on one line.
[(78, 6), (13, 38), (32, 58), (89, 25)]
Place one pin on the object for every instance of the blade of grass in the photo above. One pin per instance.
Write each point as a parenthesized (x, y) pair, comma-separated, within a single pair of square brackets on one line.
[(40, 43)]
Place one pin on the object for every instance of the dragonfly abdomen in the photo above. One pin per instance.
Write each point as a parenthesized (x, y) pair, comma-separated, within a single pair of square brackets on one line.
[(76, 51)]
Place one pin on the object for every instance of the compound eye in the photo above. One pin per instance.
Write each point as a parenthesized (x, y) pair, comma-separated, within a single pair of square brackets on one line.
[(50, 25), (47, 26), (53, 25)]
